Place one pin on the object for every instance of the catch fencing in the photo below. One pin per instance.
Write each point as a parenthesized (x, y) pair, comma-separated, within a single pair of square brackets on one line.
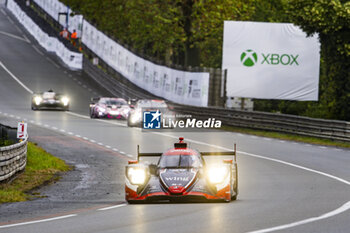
[(13, 158)]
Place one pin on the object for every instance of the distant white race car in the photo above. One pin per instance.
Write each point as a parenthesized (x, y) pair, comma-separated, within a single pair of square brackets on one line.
[(50, 100), (135, 117)]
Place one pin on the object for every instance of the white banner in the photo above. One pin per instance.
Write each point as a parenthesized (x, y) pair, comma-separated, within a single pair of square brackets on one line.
[(55, 7), (51, 44), (270, 61), (189, 88)]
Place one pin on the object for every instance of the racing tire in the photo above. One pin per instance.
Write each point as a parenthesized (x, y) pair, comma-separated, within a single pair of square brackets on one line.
[(135, 202), (92, 116)]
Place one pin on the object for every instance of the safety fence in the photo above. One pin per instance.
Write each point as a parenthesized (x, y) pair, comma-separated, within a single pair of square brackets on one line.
[(13, 158)]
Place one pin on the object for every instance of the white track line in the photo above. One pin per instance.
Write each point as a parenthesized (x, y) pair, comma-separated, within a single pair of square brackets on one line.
[(15, 78), (105, 121), (54, 63), (13, 36), (38, 221), (3, 11), (112, 207), (340, 210), (78, 115), (37, 50)]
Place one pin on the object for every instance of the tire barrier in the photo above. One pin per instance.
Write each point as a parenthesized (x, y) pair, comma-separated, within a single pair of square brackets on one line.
[(13, 158)]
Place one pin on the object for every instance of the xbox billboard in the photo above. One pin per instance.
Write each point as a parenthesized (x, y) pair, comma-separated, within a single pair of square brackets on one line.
[(270, 61)]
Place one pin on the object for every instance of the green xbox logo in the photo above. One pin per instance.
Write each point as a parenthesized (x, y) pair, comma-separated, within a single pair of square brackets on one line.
[(249, 58)]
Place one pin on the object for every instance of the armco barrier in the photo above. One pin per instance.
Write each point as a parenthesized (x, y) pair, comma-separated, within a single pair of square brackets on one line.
[(284, 123), (13, 158)]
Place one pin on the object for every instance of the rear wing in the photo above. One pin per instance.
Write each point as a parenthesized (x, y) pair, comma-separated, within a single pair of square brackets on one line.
[(218, 153), (146, 154), (222, 153)]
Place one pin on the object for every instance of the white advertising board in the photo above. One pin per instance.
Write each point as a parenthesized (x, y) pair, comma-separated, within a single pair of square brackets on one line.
[(270, 61), (51, 44), (182, 87), (189, 88)]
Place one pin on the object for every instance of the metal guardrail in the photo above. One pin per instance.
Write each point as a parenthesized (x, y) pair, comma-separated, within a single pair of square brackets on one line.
[(284, 123), (13, 158)]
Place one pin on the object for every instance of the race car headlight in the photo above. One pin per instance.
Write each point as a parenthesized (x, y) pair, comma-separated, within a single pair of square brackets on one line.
[(101, 109), (217, 174), (65, 100), (137, 175), (37, 100), (135, 118)]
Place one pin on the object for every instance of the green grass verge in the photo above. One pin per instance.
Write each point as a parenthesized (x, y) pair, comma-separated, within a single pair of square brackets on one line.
[(290, 137), (42, 168)]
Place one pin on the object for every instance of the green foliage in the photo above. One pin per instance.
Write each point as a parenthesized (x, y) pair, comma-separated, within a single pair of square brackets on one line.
[(330, 19), (185, 32)]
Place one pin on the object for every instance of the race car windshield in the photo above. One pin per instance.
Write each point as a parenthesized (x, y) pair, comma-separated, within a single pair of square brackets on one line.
[(116, 102), (179, 161), (152, 104)]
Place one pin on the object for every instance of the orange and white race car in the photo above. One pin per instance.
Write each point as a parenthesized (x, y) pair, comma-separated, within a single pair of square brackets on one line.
[(182, 174)]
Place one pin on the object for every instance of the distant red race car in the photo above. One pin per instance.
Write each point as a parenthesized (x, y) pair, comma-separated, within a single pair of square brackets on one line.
[(182, 175), (108, 107)]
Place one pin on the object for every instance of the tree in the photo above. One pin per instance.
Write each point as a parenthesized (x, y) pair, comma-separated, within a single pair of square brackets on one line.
[(330, 19)]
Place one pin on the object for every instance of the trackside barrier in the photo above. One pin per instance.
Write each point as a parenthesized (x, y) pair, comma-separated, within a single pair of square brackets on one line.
[(13, 158), (284, 123), (51, 44)]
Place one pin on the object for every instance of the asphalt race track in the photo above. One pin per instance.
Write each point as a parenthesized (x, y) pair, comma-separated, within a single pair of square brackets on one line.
[(284, 186)]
